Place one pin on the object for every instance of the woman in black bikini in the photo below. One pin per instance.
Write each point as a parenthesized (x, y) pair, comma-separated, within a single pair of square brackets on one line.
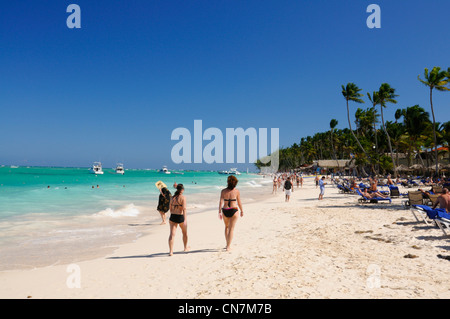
[(178, 217), (230, 200)]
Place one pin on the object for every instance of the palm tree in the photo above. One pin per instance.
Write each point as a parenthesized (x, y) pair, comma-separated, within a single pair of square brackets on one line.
[(351, 93), (416, 121), (374, 99), (446, 135), (386, 94), (396, 131), (436, 79), (333, 124)]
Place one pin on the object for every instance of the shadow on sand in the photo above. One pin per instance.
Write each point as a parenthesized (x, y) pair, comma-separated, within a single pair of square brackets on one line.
[(167, 254)]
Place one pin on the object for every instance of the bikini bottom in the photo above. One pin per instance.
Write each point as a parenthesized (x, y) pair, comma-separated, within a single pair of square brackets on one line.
[(176, 218), (229, 212)]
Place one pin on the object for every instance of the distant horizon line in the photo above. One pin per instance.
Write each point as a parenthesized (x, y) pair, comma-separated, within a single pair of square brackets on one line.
[(88, 167)]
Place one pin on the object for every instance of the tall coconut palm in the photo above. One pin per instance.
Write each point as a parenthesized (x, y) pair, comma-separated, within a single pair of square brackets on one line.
[(333, 124), (374, 99), (436, 79), (386, 94), (351, 93)]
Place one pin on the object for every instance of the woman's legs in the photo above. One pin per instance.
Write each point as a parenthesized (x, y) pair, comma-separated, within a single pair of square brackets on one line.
[(163, 217), (230, 223), (183, 227), (173, 229)]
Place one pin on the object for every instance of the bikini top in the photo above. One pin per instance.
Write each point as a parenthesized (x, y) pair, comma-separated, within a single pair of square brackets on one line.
[(175, 205), (230, 200)]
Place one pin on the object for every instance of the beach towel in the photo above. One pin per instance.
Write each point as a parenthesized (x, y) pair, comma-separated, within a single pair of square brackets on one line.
[(434, 213)]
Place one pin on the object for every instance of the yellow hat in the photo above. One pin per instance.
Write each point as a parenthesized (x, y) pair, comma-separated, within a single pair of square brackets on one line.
[(160, 185)]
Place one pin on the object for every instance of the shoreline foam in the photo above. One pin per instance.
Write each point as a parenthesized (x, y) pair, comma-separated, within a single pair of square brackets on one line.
[(87, 236)]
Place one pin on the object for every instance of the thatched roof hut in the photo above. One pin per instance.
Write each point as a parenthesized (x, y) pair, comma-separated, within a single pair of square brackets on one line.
[(335, 163), (403, 168)]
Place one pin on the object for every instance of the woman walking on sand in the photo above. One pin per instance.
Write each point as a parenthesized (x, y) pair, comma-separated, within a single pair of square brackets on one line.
[(275, 185), (178, 218), (230, 200), (163, 203)]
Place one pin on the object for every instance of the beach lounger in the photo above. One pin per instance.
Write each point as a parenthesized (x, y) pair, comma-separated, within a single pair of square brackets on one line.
[(437, 189), (423, 211), (432, 199), (383, 192), (414, 198), (443, 223), (374, 200), (412, 183), (344, 189), (394, 192), (438, 215)]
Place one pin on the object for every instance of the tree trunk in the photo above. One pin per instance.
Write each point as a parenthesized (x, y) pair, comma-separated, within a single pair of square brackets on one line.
[(434, 133), (389, 142), (334, 151), (351, 130), (376, 145)]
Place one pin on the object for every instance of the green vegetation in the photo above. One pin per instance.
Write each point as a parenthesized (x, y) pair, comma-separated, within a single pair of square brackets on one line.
[(376, 149)]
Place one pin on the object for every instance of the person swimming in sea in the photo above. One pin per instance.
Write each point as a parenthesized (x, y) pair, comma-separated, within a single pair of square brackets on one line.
[(230, 200), (178, 217)]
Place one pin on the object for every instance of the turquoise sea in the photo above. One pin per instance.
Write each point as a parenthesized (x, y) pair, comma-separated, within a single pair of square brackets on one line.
[(51, 214)]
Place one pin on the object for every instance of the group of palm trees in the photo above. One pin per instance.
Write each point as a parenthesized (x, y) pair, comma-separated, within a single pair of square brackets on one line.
[(377, 149)]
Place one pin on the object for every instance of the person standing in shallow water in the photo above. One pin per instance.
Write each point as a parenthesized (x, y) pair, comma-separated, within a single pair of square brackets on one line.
[(230, 200), (178, 218)]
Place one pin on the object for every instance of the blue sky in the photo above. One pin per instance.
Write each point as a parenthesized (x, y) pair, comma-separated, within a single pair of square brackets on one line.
[(115, 89)]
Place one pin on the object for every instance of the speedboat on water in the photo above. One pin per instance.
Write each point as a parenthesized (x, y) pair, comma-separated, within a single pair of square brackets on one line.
[(119, 169), (96, 168), (164, 170), (232, 171)]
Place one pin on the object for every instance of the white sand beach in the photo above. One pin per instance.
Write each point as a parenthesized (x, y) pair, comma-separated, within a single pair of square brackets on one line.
[(335, 248)]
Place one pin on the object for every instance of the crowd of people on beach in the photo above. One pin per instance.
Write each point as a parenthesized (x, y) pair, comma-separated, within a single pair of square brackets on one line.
[(286, 182), (369, 187)]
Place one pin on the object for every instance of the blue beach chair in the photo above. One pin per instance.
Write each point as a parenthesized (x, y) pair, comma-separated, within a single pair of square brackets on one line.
[(438, 215), (375, 200)]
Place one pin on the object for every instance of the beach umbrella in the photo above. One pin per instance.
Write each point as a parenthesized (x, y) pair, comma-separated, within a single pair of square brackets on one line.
[(433, 167), (416, 166), (403, 168)]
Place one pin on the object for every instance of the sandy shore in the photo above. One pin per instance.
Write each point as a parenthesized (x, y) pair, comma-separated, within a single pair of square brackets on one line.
[(306, 248)]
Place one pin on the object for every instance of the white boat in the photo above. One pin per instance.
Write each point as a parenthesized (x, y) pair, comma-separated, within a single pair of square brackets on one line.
[(119, 169), (96, 168), (232, 171), (164, 170)]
